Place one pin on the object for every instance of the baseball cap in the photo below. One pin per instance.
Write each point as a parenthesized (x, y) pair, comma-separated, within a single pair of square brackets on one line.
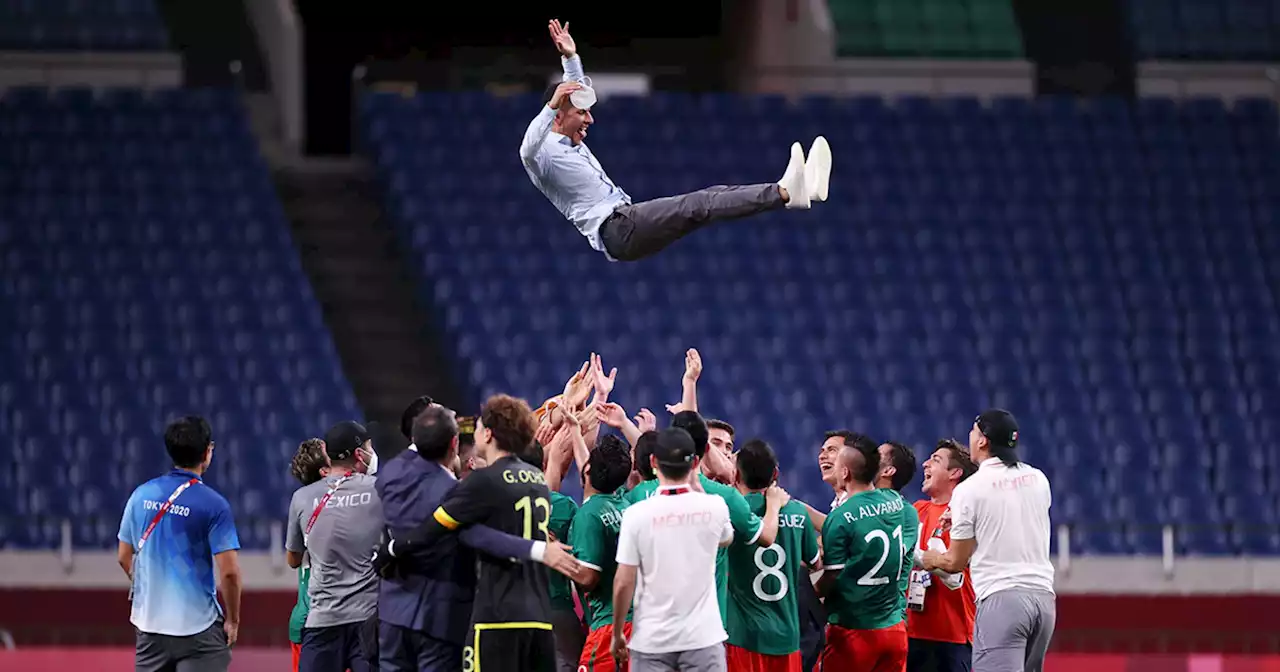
[(999, 426), (342, 440), (674, 448)]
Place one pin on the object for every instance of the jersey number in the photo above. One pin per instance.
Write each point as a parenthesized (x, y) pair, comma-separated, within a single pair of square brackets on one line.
[(526, 506), (469, 657), (870, 578), (774, 570)]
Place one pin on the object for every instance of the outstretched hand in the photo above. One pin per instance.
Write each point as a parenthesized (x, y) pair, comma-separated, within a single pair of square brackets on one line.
[(603, 383), (611, 415), (561, 38)]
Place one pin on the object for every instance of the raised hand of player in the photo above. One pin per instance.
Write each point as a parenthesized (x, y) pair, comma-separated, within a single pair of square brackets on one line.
[(611, 415), (692, 366), (578, 386), (646, 421), (603, 384), (560, 558), (546, 429), (677, 407), (561, 38)]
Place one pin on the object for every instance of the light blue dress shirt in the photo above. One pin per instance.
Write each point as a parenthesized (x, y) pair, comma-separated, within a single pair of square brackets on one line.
[(568, 175)]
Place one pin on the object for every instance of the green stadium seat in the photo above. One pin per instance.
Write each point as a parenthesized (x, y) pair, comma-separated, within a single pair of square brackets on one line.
[(931, 28)]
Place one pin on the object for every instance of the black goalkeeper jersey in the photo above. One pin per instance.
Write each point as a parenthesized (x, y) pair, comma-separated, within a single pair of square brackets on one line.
[(510, 496)]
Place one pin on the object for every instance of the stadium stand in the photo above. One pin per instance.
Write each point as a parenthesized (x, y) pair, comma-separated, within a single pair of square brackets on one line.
[(934, 28), (1105, 269), (82, 25), (1205, 30), (149, 272)]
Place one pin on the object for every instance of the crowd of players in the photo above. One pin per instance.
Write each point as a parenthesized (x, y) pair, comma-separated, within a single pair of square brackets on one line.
[(482, 564)]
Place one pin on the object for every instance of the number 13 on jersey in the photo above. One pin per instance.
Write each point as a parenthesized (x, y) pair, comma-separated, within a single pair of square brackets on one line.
[(525, 506)]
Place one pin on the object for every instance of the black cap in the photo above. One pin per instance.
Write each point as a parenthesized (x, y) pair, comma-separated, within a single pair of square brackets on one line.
[(999, 426), (342, 440), (674, 448)]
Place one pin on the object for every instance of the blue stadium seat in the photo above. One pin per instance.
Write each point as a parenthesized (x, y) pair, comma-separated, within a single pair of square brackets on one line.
[(149, 273), (1102, 268)]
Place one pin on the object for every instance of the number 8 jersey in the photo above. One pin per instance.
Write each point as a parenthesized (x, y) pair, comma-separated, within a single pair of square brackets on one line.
[(509, 496), (763, 614), (871, 539)]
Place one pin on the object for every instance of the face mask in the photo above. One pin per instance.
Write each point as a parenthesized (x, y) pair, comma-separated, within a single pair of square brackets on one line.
[(373, 464)]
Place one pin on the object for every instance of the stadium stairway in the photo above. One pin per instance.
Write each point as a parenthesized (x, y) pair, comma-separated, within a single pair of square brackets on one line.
[(367, 297)]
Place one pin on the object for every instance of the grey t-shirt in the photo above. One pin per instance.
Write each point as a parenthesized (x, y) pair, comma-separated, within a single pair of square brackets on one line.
[(344, 588)]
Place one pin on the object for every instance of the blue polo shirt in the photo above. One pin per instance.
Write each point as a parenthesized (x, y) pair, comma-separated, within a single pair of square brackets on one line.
[(175, 587)]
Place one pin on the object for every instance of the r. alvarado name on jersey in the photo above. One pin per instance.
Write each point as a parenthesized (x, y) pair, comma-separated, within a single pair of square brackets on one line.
[(874, 510)]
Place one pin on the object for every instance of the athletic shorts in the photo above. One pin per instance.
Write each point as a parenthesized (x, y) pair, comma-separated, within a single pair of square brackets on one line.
[(296, 649), (510, 647), (742, 660), (597, 653), (883, 650)]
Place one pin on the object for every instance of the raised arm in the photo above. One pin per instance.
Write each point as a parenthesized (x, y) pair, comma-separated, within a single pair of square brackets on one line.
[(568, 49)]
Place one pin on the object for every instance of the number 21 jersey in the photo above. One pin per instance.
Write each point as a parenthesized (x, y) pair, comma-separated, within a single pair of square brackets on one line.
[(763, 614), (509, 496), (871, 539)]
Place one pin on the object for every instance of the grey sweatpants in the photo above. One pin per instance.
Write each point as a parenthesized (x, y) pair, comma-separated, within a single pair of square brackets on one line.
[(1012, 631), (710, 659), (638, 230), (205, 651)]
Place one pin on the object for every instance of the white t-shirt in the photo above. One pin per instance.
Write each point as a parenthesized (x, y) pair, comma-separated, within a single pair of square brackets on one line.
[(1007, 511), (673, 540)]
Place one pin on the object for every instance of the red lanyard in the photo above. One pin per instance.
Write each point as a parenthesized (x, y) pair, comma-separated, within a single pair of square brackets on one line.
[(325, 500), (164, 508)]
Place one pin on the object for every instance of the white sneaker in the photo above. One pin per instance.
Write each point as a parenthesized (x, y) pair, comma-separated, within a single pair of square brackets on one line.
[(794, 180), (817, 169)]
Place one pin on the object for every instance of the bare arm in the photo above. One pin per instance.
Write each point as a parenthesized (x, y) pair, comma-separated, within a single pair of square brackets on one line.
[(954, 560), (816, 516), (124, 555), (624, 589), (228, 565)]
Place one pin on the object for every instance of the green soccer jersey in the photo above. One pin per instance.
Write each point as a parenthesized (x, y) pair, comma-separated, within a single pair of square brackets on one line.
[(912, 523), (764, 615), (298, 617), (746, 526), (595, 543), (563, 509), (871, 539)]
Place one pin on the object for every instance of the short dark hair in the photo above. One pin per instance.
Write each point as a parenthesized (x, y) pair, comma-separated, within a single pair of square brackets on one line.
[(511, 422), (186, 439), (693, 423), (958, 458), (757, 464), (414, 409), (713, 423), (610, 463), (533, 455), (434, 430), (308, 461), (644, 448), (904, 465), (869, 450)]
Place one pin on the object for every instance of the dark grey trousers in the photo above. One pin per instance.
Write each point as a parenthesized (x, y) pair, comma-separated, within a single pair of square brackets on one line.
[(1012, 630), (638, 230), (569, 639), (205, 651)]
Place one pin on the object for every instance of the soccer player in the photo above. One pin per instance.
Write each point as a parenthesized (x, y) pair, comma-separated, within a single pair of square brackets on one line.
[(940, 620), (192, 536), (309, 465), (747, 526), (667, 549), (764, 633), (336, 521), (828, 453), (511, 620), (562, 167), (594, 538), (720, 436), (868, 545), (897, 466)]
